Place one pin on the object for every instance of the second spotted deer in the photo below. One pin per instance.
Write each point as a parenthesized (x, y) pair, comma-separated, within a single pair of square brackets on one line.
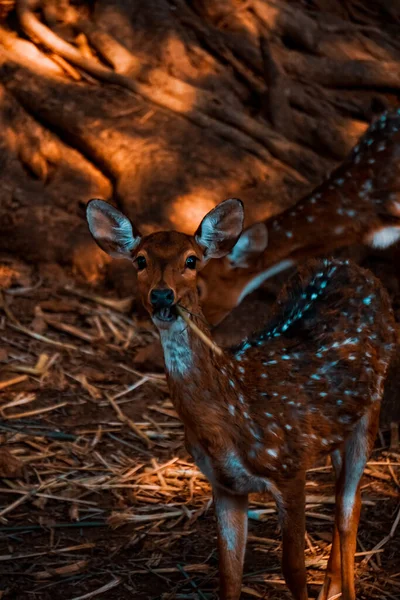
[(358, 204), (258, 416)]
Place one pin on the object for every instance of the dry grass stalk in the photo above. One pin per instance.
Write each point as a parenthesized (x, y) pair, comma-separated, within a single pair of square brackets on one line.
[(72, 569), (15, 556), (159, 377), (29, 494), (42, 366), (118, 519), (101, 590), (46, 340), (13, 381), (132, 387), (123, 305), (262, 540), (31, 413), (49, 496), (197, 568), (19, 400), (386, 539), (168, 492), (70, 329), (198, 331), (122, 417)]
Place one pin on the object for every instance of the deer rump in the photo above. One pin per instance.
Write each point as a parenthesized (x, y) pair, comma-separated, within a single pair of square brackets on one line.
[(325, 350)]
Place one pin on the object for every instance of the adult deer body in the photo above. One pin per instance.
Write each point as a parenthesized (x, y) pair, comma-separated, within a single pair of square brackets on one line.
[(358, 204), (258, 416)]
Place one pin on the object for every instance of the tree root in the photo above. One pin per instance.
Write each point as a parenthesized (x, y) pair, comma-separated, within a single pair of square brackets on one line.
[(343, 73), (194, 104), (277, 97), (254, 97)]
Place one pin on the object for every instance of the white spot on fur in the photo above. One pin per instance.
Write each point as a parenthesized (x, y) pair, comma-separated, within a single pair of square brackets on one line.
[(384, 237), (254, 283), (395, 208)]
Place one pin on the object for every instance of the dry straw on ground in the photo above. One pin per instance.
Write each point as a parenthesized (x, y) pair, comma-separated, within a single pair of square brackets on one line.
[(97, 491)]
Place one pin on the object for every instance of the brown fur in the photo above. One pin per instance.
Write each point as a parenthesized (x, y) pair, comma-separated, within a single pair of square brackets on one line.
[(357, 200), (308, 384)]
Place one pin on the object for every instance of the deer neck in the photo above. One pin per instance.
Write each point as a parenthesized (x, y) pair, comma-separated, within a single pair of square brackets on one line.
[(193, 371)]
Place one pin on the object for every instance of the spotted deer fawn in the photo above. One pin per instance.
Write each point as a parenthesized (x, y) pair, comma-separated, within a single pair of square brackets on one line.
[(358, 204), (258, 416)]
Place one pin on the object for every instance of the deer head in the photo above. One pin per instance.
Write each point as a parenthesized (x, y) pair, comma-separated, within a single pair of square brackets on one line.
[(167, 262)]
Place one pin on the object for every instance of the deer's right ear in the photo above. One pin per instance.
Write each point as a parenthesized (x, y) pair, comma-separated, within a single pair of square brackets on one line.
[(111, 230), (220, 229), (251, 243)]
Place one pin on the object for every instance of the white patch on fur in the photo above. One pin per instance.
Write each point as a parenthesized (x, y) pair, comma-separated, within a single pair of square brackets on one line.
[(383, 238), (177, 352), (261, 277), (228, 531), (356, 458), (123, 233)]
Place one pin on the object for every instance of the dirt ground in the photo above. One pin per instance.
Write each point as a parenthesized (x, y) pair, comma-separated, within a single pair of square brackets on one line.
[(98, 496)]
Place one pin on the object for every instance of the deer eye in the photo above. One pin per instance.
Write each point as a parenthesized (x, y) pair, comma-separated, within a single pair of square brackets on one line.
[(191, 262), (141, 263)]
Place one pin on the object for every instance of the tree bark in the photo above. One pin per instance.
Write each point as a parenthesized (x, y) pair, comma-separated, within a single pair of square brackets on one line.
[(167, 107)]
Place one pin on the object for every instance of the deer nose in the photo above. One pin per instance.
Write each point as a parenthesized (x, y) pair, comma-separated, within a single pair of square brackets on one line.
[(162, 298)]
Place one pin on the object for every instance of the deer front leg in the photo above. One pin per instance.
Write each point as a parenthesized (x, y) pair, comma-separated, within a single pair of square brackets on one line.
[(231, 513), (293, 534)]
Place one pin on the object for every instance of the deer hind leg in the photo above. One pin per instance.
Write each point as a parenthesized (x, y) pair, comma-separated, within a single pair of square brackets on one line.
[(333, 578), (293, 534), (348, 501), (231, 513)]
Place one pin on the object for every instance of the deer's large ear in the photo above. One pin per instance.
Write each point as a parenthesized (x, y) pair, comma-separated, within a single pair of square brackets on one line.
[(220, 229), (251, 243), (111, 230)]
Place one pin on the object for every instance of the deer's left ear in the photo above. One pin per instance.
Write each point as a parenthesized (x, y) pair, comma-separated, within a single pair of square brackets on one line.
[(111, 230), (251, 243), (220, 229)]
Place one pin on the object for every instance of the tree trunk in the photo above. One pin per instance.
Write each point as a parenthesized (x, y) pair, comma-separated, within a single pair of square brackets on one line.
[(167, 107)]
